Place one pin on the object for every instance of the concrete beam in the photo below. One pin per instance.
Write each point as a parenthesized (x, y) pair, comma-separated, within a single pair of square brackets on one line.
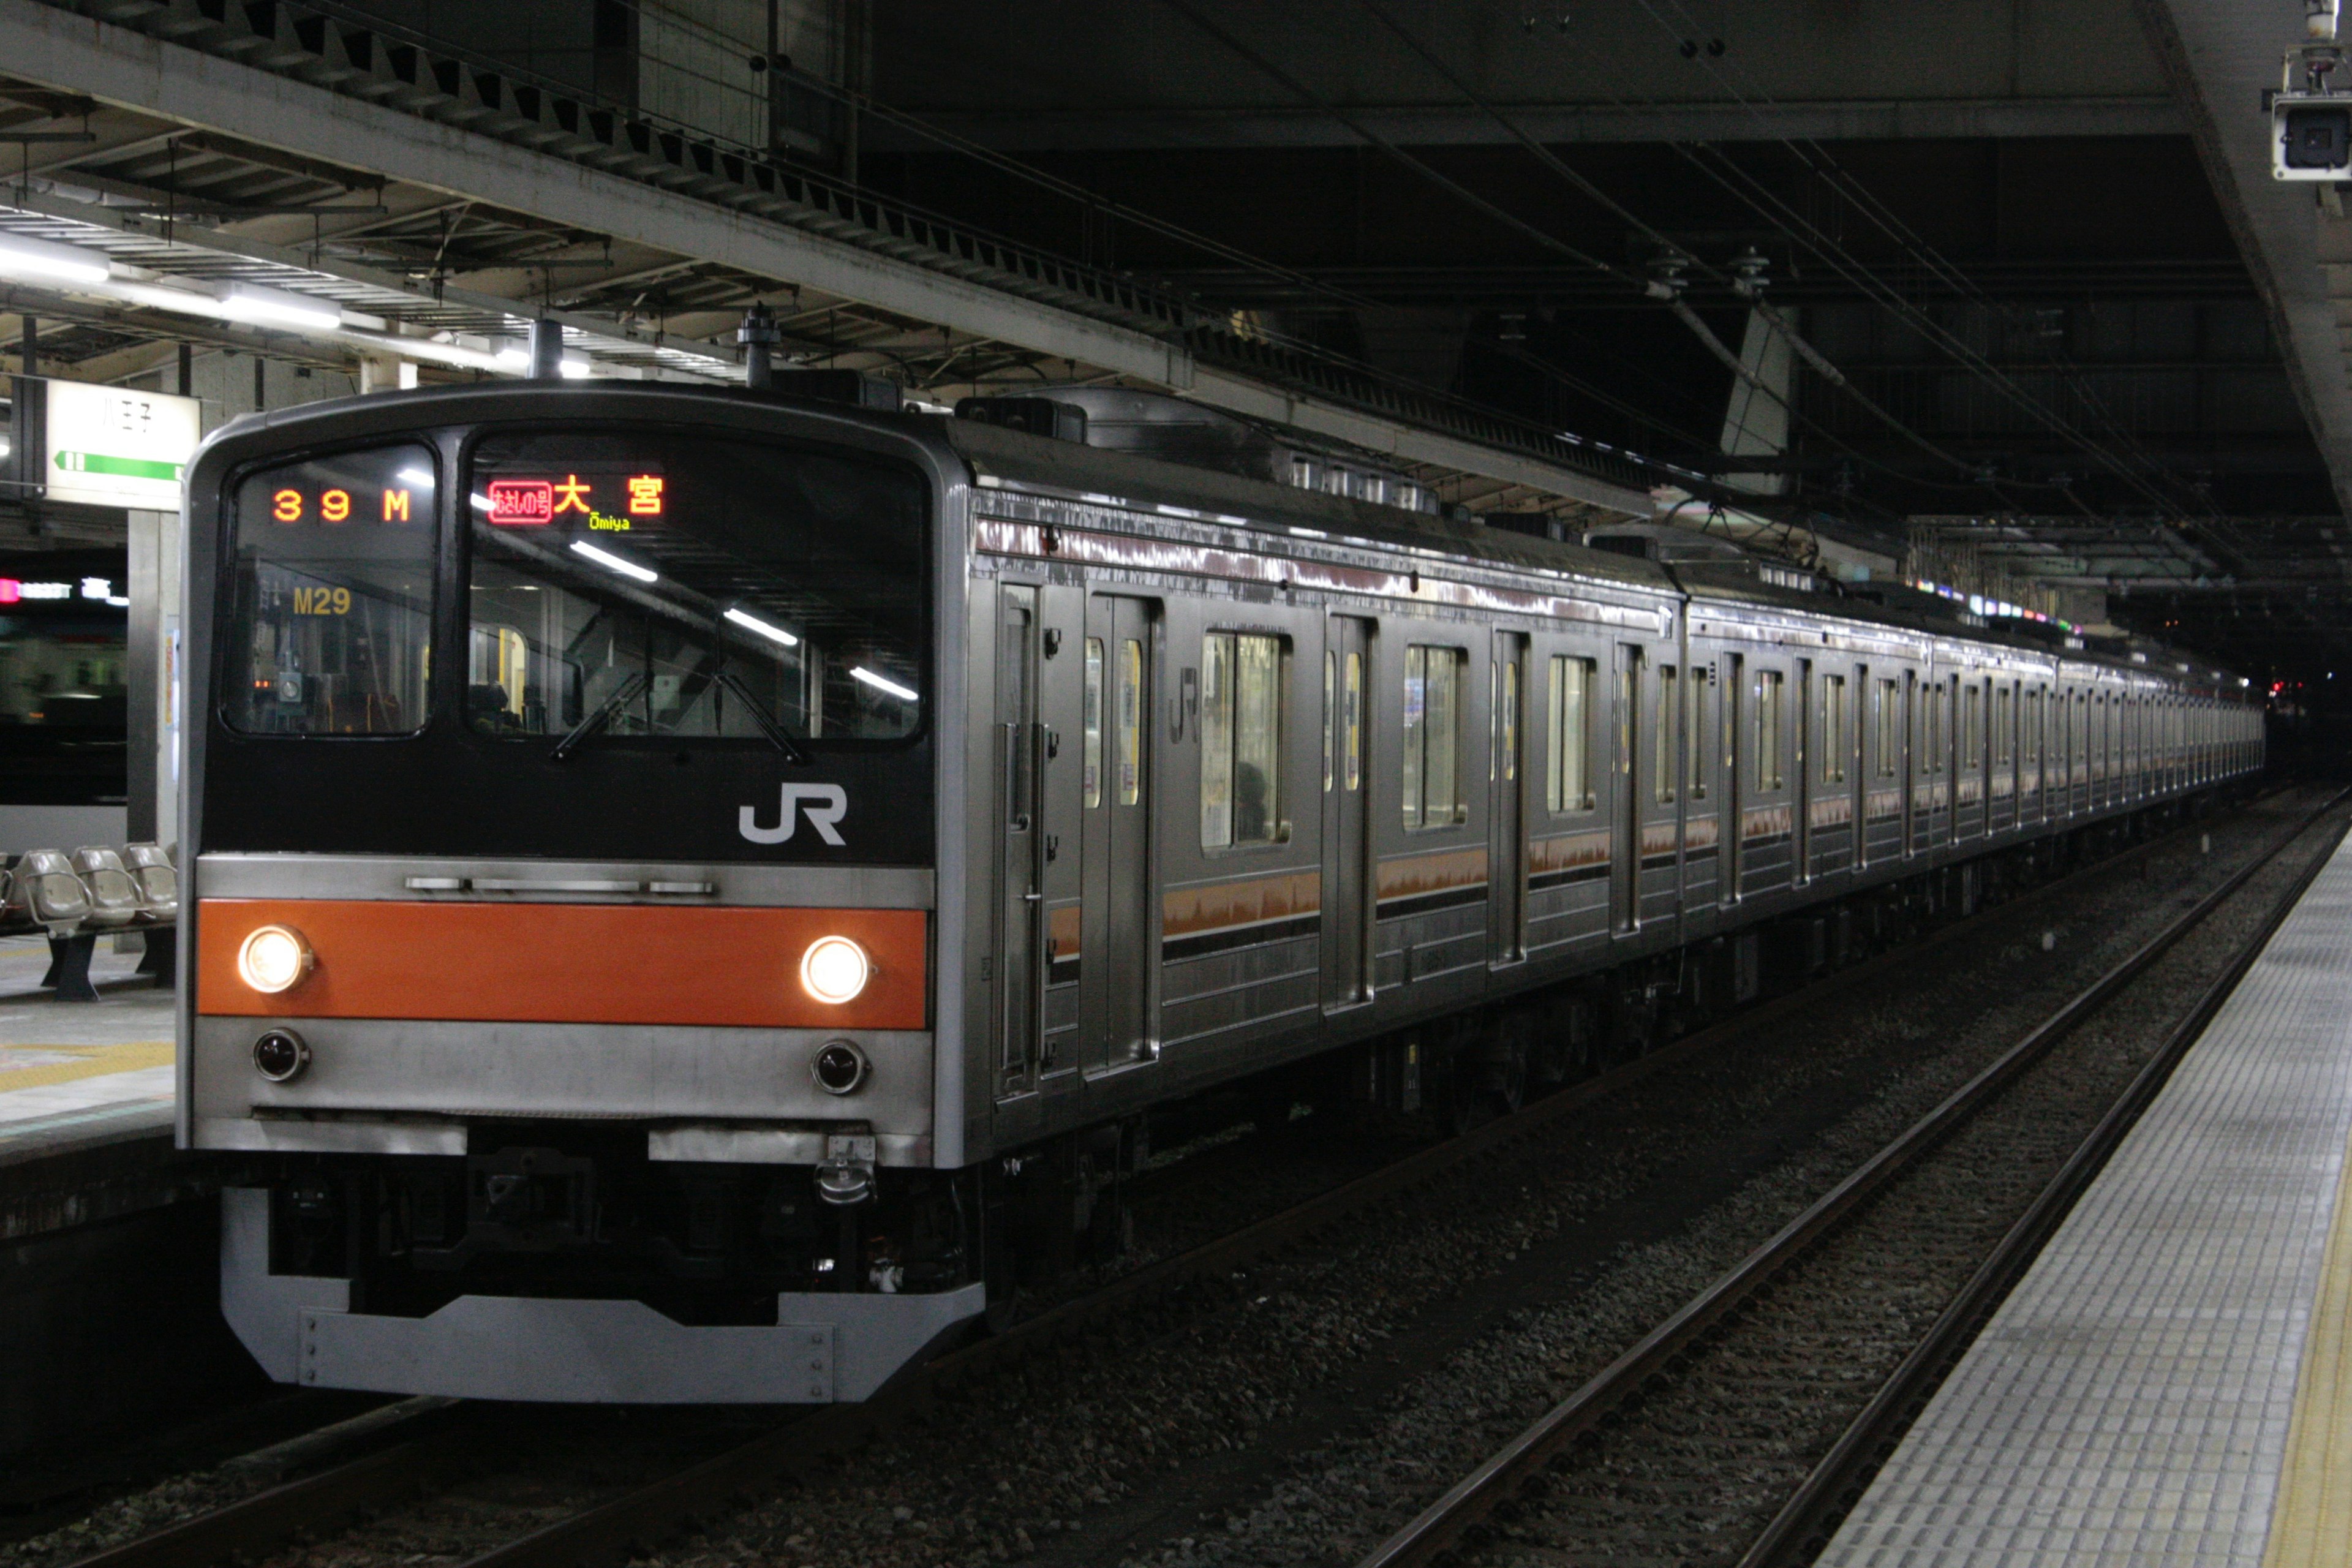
[(2218, 58), (117, 66), (1891, 120)]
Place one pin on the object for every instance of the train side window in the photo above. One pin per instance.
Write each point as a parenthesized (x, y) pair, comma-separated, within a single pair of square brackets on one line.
[(1432, 736), (1093, 718), (1884, 724), (1241, 739), (1972, 727), (1330, 712), (1835, 744), (1351, 766), (1130, 721), (1695, 729), (1568, 769), (1662, 764), (1768, 729)]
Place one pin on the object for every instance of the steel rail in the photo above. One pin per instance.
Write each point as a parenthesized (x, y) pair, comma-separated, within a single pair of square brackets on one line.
[(1824, 1498), (606, 1532), (1440, 1525), (256, 1524)]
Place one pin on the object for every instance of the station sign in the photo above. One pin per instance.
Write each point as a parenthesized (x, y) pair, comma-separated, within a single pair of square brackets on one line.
[(111, 446)]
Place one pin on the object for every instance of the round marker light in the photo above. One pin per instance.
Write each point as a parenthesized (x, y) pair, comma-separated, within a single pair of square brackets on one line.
[(281, 1055), (834, 970), (839, 1068), (273, 959)]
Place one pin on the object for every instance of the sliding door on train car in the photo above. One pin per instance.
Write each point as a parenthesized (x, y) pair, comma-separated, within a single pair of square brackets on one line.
[(1020, 945), (1625, 803), (1117, 932), (1506, 849), (1346, 944), (1801, 791)]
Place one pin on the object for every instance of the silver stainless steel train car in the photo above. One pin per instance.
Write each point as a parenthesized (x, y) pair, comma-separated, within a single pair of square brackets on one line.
[(695, 893)]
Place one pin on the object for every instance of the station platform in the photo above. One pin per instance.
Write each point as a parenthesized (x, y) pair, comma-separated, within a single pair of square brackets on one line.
[(78, 1074), (2171, 1381)]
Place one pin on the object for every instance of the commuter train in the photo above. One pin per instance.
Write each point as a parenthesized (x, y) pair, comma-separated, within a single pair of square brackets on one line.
[(695, 893)]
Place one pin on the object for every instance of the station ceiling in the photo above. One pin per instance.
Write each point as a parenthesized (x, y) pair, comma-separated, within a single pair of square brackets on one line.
[(2044, 319)]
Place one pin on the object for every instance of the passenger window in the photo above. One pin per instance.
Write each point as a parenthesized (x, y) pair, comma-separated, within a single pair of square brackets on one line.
[(1130, 721), (1331, 713), (1768, 729), (1835, 746), (1510, 721), (1352, 766), (1568, 768), (1695, 729), (1663, 760), (1432, 736), (1093, 715), (1241, 739)]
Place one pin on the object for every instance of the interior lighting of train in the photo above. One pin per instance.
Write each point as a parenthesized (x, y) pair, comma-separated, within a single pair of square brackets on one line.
[(879, 684), (752, 623), (611, 561)]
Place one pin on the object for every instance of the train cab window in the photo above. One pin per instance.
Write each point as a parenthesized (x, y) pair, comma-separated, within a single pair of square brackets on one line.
[(1432, 736), (1695, 731), (687, 590), (1091, 722), (1835, 743), (1241, 740), (1661, 768), (331, 627), (1768, 729), (1567, 750)]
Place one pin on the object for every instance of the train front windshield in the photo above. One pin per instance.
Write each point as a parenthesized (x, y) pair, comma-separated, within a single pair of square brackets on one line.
[(619, 588)]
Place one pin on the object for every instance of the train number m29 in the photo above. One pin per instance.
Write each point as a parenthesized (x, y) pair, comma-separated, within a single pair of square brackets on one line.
[(322, 601)]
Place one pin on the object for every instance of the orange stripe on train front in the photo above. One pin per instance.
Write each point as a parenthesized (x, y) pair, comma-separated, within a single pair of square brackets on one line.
[(565, 963)]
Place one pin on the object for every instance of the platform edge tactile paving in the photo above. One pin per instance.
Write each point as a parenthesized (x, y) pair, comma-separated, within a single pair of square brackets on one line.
[(2130, 1402)]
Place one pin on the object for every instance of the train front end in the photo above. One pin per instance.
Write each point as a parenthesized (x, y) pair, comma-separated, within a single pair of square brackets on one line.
[(563, 808)]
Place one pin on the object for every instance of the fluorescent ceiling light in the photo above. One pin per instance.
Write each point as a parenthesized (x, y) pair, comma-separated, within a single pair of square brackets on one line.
[(606, 558), (572, 367), (26, 257), (876, 681), (753, 622), (277, 307), (418, 477)]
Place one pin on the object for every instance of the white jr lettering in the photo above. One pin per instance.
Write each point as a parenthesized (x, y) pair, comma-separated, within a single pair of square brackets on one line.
[(826, 804)]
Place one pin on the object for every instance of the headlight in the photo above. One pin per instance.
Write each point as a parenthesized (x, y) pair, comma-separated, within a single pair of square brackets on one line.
[(834, 970), (273, 959)]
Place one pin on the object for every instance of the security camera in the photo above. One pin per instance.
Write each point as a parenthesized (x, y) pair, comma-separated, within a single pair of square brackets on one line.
[(2311, 121)]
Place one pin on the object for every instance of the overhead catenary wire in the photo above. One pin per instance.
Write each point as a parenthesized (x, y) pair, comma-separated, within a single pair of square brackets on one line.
[(1559, 166), (1777, 211)]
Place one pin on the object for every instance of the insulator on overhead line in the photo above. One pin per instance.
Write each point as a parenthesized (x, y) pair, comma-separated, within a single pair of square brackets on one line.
[(758, 335)]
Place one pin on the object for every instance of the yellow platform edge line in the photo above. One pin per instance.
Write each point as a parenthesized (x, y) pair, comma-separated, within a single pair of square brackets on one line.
[(2310, 1522), (96, 1061)]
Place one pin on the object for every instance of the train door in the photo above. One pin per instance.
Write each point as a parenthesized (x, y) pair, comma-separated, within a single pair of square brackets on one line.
[(1347, 819), (1625, 809), (1118, 934), (1020, 913), (1736, 701), (1908, 772), (1800, 790), (1507, 847)]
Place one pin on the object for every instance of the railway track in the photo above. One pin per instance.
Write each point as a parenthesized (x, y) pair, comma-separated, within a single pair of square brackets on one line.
[(1578, 1482), (453, 1441)]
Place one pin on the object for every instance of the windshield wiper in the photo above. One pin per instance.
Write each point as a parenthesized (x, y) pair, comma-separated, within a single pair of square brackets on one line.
[(599, 718), (768, 727)]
